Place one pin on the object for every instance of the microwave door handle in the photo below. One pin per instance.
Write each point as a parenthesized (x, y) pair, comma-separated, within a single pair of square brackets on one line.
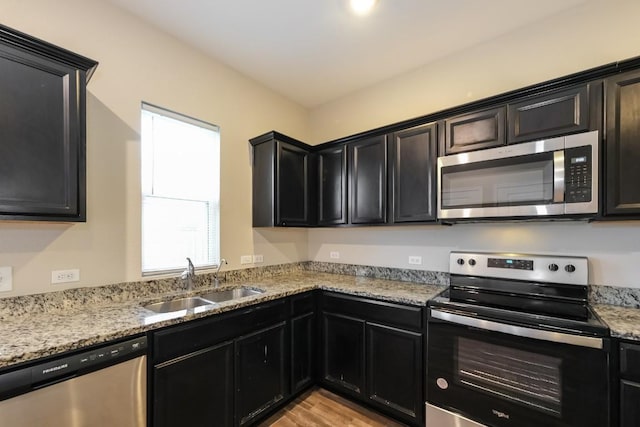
[(520, 331), (558, 176)]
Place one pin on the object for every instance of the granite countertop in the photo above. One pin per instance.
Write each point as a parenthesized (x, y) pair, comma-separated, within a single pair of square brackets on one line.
[(624, 322), (31, 334)]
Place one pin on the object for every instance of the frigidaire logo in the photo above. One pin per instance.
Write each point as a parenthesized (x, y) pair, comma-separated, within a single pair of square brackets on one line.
[(55, 368), (500, 414)]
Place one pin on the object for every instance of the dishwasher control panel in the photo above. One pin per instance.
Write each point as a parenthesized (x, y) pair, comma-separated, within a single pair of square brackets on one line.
[(43, 374)]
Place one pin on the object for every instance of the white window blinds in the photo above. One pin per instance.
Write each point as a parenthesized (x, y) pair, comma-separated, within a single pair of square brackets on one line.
[(180, 191)]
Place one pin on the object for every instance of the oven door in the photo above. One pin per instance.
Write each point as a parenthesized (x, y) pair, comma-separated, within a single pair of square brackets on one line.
[(505, 375)]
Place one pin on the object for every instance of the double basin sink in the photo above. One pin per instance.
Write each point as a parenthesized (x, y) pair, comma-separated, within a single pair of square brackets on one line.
[(207, 299)]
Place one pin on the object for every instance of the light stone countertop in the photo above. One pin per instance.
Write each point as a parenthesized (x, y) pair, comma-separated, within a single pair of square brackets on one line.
[(624, 322), (34, 333)]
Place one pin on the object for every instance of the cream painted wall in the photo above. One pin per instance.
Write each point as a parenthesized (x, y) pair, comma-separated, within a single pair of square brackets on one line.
[(138, 62), (593, 34)]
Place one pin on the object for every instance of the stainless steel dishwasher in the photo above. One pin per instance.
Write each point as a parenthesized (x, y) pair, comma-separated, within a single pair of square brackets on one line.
[(102, 387)]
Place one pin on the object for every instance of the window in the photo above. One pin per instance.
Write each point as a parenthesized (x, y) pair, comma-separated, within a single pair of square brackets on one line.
[(180, 191)]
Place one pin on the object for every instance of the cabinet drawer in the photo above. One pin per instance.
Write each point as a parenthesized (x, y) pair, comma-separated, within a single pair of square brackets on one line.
[(630, 361), (629, 408), (392, 314), (303, 303), (198, 334)]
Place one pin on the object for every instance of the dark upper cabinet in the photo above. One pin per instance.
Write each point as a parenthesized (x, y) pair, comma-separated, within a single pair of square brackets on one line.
[(282, 181), (412, 174), (195, 390), (261, 378), (551, 114), (332, 185), (394, 370), (368, 181), (42, 129), (622, 153), (473, 131)]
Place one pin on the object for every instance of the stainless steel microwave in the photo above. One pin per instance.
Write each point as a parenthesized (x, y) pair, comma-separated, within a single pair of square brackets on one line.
[(546, 178)]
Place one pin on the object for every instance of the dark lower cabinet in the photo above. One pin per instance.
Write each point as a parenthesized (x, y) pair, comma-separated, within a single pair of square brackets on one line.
[(343, 352), (372, 351), (629, 384), (412, 171), (303, 351), (394, 370), (622, 192), (261, 380), (195, 390), (629, 404)]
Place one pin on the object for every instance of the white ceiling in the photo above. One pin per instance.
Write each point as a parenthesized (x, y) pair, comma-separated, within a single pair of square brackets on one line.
[(315, 51)]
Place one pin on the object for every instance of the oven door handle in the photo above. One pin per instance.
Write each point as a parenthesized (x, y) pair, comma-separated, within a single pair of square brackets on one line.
[(520, 331)]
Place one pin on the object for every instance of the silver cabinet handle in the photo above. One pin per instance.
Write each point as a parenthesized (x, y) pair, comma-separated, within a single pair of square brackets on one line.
[(521, 331)]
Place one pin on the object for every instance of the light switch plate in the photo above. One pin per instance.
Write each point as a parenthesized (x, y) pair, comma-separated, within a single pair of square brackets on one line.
[(6, 279), (246, 259)]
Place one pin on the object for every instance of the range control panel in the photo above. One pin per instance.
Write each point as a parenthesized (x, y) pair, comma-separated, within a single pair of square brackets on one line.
[(528, 267)]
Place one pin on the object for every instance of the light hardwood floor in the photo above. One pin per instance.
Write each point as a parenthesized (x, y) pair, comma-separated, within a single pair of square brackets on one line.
[(321, 408)]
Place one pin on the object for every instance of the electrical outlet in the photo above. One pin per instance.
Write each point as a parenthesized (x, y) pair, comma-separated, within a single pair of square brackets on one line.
[(415, 260), (246, 259), (257, 259), (334, 255), (65, 276), (6, 279)]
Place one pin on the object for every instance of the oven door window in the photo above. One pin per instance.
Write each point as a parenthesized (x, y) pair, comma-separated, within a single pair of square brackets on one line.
[(525, 378), (523, 180)]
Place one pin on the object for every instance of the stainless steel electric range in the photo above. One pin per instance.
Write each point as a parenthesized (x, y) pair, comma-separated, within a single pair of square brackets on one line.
[(513, 342)]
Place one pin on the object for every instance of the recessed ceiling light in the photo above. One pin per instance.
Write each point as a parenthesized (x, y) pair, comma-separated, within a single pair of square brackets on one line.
[(362, 7)]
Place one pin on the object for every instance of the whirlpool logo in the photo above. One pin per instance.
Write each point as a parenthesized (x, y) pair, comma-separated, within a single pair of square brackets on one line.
[(500, 414)]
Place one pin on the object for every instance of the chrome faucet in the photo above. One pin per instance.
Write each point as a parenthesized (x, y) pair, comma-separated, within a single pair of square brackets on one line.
[(189, 275), (216, 281)]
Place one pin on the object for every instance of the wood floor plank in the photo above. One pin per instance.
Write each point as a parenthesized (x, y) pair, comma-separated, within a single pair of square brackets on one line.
[(321, 408)]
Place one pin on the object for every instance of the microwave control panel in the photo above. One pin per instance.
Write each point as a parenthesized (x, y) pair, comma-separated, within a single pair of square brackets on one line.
[(578, 166)]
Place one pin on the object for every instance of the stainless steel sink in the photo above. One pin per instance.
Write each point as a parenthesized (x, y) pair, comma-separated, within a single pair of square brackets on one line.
[(178, 304), (200, 303), (230, 294)]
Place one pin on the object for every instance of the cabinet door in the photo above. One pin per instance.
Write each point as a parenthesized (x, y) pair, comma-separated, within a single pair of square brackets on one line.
[(332, 186), (195, 390), (261, 379), (368, 178), (343, 352), (629, 404), (413, 155), (42, 121), (623, 144), (473, 131), (292, 185), (552, 114), (303, 351), (394, 371)]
